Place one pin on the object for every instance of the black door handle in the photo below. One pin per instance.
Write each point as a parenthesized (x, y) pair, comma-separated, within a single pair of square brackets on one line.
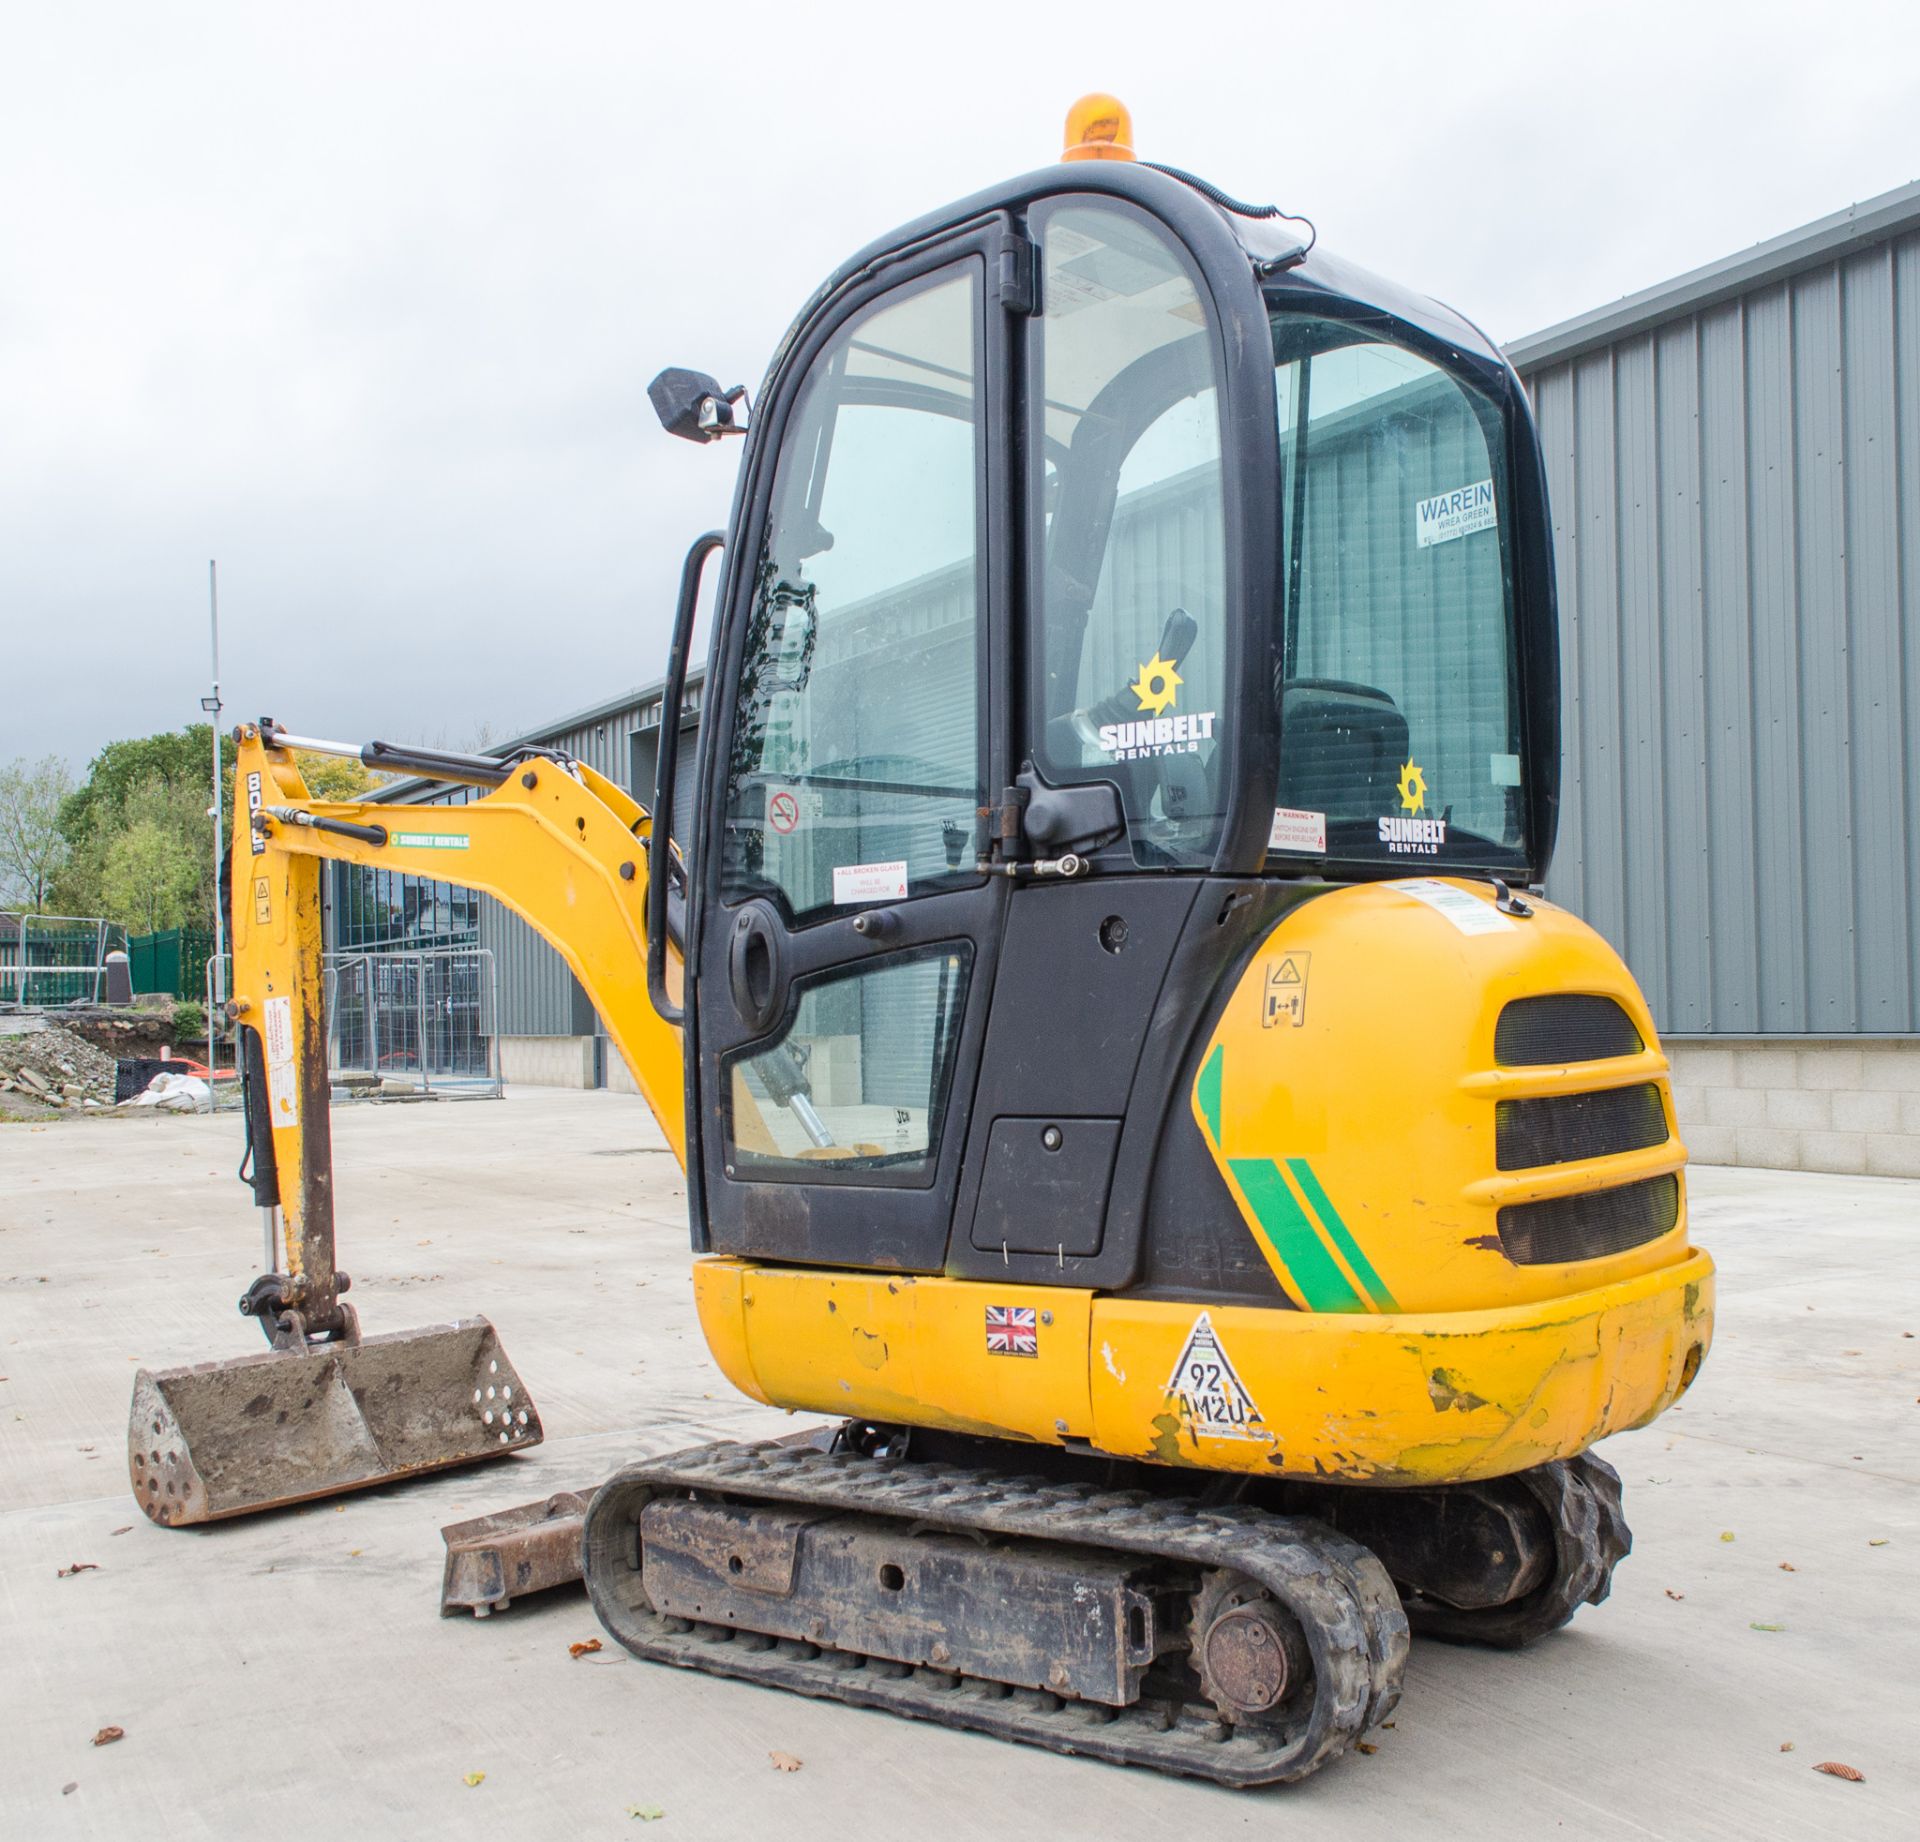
[(756, 967)]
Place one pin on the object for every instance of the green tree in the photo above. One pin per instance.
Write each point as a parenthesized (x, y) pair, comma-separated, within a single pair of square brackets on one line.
[(336, 776), (176, 758), (147, 876), (33, 848), (146, 784)]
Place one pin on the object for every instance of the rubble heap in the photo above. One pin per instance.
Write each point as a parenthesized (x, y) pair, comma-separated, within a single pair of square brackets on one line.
[(56, 1068)]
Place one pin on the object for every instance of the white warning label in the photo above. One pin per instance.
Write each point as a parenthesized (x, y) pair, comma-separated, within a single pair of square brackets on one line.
[(283, 1086), (1467, 912), (870, 882), (1208, 1390)]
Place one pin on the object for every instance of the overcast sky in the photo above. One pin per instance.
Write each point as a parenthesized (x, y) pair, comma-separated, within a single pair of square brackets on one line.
[(362, 300)]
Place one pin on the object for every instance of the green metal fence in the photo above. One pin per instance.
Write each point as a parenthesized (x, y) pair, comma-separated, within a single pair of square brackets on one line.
[(172, 961), (54, 959)]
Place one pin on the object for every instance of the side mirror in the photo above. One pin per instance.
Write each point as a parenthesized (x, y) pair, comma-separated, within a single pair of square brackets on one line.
[(692, 405)]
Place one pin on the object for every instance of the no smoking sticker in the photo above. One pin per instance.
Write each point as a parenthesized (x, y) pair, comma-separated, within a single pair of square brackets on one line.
[(783, 812)]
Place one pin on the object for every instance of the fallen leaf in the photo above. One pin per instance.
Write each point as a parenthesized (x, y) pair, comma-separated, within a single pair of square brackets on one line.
[(1834, 1769), (107, 1735), (1878, 1541), (67, 1573), (1671, 1594), (1788, 1567), (784, 1761), (68, 1789), (1786, 1746), (584, 1650), (645, 1813), (1726, 1534), (124, 1529), (353, 1554), (1365, 1746), (339, 1509), (473, 1778), (1753, 1625)]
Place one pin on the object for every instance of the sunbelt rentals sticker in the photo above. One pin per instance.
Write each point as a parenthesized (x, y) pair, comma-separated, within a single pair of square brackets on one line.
[(1166, 731)]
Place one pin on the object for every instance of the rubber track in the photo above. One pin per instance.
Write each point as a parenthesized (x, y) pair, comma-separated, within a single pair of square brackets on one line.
[(1341, 1594), (1581, 1498)]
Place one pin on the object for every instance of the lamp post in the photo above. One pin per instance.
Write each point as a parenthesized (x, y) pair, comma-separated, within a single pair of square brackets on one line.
[(212, 706)]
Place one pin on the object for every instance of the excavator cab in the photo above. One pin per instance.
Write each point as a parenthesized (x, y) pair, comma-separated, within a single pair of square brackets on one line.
[(1102, 557)]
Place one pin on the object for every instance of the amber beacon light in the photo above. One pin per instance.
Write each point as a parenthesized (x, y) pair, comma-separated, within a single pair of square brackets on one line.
[(1099, 128)]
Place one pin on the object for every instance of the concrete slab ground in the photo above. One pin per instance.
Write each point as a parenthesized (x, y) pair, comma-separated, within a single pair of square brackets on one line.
[(290, 1670)]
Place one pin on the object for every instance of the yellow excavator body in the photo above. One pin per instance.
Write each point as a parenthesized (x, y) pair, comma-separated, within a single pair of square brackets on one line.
[(1351, 1094), (1126, 1068)]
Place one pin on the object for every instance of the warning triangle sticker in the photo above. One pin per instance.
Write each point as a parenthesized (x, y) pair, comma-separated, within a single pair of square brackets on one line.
[(1288, 974), (1208, 1390)]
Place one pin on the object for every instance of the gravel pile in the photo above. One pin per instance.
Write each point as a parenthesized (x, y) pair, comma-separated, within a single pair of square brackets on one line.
[(56, 1068)]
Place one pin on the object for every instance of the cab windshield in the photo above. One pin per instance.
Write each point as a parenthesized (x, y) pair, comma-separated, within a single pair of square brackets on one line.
[(1396, 676)]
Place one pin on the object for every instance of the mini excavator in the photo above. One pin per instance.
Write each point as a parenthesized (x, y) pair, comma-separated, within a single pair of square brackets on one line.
[(1126, 1072)]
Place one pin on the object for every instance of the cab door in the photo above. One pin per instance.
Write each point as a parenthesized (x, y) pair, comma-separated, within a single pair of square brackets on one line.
[(846, 940)]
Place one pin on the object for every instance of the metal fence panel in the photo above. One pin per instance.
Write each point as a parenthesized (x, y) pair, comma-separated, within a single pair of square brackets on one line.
[(429, 1017)]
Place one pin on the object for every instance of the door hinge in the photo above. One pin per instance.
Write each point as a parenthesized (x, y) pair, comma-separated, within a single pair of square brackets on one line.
[(1016, 272), (1000, 841)]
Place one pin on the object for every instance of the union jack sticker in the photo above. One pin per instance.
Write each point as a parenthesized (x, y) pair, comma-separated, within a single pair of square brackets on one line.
[(1012, 1330)]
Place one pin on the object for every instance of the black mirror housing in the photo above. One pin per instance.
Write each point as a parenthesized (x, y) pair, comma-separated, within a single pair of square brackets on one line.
[(692, 405)]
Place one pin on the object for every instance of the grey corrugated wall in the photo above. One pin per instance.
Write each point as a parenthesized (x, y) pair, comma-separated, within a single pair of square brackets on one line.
[(1736, 502)]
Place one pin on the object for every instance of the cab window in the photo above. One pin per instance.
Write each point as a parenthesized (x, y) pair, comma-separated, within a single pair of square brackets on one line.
[(854, 771), (1397, 679), (1128, 659)]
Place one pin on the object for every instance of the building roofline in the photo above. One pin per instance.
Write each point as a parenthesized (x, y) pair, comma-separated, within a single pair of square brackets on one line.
[(1874, 220), (638, 697)]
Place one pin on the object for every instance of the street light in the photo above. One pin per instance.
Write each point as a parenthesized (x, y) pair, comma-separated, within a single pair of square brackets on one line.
[(212, 707)]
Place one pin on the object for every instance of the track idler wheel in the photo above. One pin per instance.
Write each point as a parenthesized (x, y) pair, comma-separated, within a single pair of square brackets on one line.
[(1248, 1651), (1580, 1500)]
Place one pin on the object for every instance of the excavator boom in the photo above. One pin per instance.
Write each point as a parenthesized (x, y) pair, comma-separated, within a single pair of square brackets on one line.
[(326, 1409)]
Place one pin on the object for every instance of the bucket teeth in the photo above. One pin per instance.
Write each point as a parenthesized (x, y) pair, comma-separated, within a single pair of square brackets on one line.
[(221, 1439)]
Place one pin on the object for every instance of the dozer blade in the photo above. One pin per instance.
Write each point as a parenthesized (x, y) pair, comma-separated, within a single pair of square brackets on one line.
[(221, 1439), (495, 1559)]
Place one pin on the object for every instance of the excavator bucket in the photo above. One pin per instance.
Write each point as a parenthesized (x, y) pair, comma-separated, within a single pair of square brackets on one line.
[(221, 1439)]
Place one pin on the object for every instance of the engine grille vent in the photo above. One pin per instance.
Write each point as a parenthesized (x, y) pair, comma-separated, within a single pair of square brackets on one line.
[(1589, 1227), (1563, 1027), (1564, 1128)]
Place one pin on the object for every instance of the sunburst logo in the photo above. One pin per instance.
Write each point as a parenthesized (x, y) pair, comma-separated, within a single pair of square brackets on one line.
[(1157, 685), (1413, 789)]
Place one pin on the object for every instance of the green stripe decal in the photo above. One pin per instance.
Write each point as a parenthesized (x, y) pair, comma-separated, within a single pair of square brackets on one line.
[(1322, 1284), (1206, 1090), (1341, 1236)]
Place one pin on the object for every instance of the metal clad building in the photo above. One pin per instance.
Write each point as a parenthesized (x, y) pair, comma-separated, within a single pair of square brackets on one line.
[(1734, 465)]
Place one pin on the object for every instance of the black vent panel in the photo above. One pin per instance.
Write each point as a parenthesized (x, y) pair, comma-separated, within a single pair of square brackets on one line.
[(1565, 1128), (1565, 1026), (1589, 1227)]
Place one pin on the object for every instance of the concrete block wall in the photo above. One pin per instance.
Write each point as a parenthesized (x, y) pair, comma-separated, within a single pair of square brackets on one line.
[(1848, 1105), (547, 1061)]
